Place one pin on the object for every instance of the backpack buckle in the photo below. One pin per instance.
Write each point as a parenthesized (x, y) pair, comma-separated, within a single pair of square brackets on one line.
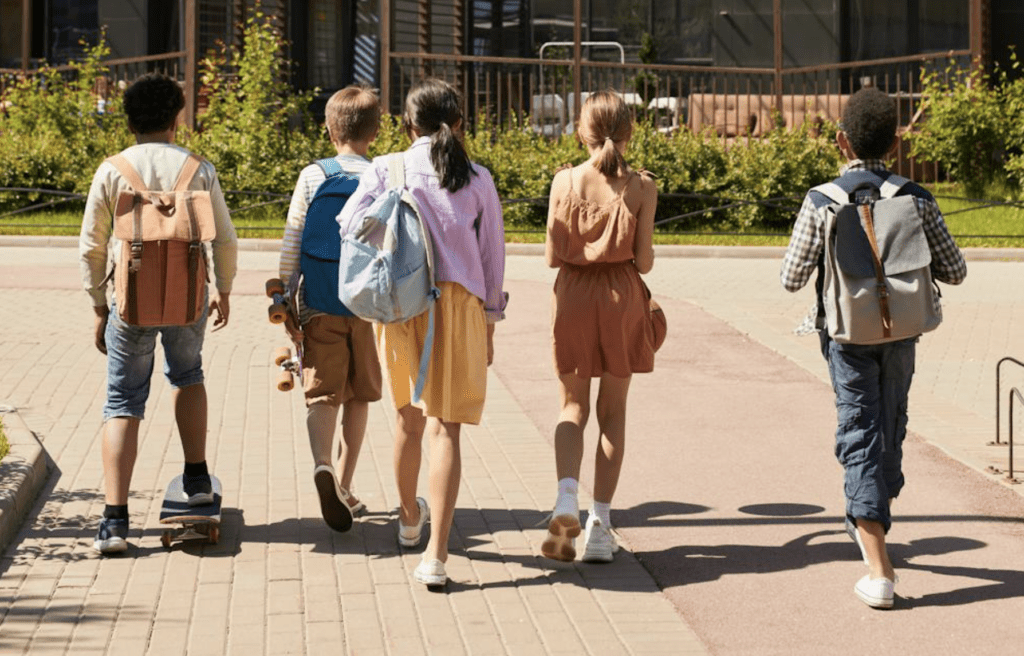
[(135, 263), (883, 291)]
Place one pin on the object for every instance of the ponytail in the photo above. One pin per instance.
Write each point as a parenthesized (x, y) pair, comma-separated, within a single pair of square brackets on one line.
[(450, 159), (610, 161), (605, 120), (432, 108)]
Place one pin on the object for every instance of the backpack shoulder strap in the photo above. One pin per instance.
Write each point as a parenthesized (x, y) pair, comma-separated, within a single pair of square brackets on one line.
[(188, 171), (330, 166), (396, 171), (127, 171), (833, 192), (892, 185)]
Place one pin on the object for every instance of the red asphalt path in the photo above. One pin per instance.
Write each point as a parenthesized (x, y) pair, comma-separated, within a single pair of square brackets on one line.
[(731, 497)]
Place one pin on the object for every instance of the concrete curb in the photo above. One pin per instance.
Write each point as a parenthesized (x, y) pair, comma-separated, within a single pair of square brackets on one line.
[(511, 248), (23, 472)]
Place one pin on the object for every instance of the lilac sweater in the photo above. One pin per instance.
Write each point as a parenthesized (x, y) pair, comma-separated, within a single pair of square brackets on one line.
[(466, 227)]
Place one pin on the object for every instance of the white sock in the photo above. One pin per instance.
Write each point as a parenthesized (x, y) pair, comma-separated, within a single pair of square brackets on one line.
[(603, 511), (568, 486)]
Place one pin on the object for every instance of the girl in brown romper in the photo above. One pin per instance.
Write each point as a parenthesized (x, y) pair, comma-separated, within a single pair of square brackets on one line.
[(600, 226)]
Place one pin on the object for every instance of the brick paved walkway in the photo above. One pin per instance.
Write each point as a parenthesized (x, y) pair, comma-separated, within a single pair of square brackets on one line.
[(280, 581)]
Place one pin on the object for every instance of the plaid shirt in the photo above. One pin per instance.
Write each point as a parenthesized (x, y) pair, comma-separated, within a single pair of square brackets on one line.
[(807, 244)]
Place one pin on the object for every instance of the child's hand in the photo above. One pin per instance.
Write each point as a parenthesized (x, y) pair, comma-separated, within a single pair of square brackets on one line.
[(293, 329), (100, 328), (220, 306)]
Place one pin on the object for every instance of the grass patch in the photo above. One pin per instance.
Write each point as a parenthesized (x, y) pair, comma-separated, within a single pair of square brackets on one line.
[(972, 223), (4, 446)]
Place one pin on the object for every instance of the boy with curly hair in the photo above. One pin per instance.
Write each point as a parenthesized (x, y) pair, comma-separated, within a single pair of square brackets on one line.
[(152, 105), (871, 381)]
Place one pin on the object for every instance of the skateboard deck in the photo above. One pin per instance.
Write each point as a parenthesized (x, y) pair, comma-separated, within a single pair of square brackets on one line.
[(196, 522), (284, 304)]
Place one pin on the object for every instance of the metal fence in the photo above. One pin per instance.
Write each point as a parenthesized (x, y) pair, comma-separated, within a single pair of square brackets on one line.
[(730, 103)]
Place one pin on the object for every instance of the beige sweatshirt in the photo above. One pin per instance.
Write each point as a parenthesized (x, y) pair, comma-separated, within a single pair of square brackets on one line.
[(158, 164)]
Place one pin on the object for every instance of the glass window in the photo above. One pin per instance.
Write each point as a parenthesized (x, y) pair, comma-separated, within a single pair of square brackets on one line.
[(878, 29), (682, 31), (944, 25), (213, 24), (70, 23), (367, 43), (324, 45)]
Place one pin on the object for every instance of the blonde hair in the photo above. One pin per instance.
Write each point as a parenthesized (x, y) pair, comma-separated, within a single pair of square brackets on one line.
[(353, 114), (604, 121)]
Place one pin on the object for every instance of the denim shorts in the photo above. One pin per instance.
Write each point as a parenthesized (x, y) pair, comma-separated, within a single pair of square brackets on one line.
[(130, 352)]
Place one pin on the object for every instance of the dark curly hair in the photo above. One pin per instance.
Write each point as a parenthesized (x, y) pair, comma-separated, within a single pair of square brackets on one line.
[(870, 123), (152, 103)]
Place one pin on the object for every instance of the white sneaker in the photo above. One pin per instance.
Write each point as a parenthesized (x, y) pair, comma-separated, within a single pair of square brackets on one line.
[(877, 593), (563, 527), (430, 573), (601, 545), (409, 536)]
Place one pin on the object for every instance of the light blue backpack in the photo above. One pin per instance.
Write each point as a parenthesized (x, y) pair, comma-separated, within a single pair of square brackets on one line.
[(386, 265)]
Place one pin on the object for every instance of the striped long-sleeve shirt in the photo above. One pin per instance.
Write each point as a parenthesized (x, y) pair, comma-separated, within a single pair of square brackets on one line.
[(309, 181)]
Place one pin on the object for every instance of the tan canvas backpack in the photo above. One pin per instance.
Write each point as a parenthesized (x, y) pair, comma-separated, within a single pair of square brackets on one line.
[(160, 273)]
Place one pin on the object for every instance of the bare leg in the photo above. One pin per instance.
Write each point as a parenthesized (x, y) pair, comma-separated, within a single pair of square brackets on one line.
[(190, 415), (575, 396), (353, 429), (445, 476), (611, 418), (872, 536), (120, 448), (321, 420), (409, 425)]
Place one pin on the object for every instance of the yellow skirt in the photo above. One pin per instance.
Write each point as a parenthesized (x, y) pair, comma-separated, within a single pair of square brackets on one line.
[(457, 375)]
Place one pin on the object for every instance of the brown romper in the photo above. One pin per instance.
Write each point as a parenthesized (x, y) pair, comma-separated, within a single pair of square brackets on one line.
[(600, 308)]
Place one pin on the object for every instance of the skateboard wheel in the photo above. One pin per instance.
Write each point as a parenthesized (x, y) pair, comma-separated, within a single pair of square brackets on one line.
[(165, 539), (285, 381), (281, 355), (277, 312), (275, 286), (214, 535)]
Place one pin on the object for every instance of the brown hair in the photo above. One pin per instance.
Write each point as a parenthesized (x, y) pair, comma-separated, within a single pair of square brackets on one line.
[(353, 114), (604, 121), (433, 107)]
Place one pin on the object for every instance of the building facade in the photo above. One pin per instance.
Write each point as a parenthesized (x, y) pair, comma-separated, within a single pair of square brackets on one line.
[(336, 42)]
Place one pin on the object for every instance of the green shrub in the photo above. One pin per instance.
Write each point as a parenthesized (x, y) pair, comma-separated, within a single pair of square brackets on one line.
[(52, 135), (973, 125), (257, 131)]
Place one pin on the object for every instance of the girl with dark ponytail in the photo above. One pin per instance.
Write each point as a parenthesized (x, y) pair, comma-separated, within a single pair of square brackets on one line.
[(600, 228), (460, 208), (433, 108)]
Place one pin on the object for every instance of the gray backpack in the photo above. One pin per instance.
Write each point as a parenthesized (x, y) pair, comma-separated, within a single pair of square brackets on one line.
[(386, 266), (878, 284)]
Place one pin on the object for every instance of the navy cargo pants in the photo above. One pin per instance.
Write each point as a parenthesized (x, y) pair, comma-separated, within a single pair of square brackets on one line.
[(871, 383)]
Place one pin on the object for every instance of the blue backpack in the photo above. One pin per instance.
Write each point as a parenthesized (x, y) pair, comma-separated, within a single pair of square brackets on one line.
[(386, 265), (321, 243)]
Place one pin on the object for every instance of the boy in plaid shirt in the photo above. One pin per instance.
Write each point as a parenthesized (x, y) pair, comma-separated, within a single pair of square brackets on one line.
[(871, 382)]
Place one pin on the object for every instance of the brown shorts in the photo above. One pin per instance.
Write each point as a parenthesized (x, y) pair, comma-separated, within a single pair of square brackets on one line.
[(339, 361)]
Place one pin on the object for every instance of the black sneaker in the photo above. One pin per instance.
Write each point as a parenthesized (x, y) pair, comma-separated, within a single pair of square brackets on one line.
[(198, 489), (110, 538)]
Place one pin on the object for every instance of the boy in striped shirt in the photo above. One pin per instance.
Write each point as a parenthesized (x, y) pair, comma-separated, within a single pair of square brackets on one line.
[(341, 371)]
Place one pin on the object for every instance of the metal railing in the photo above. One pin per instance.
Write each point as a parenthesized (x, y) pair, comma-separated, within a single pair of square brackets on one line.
[(730, 103), (1013, 393)]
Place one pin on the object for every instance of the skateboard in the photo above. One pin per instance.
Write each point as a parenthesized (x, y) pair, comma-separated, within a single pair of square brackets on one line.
[(283, 303), (196, 522)]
